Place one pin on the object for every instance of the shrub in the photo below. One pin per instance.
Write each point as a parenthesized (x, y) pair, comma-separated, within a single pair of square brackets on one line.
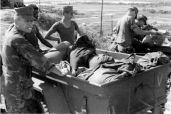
[(52, 10), (8, 17), (151, 10), (49, 15), (46, 20), (163, 12), (101, 42)]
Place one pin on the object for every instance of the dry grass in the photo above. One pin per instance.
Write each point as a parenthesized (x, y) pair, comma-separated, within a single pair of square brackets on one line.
[(46, 20), (85, 12), (154, 10)]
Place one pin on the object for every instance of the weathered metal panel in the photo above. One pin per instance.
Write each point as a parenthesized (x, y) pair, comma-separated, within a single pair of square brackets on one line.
[(128, 96)]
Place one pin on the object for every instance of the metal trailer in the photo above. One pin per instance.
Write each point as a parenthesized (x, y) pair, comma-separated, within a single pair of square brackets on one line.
[(134, 95), (164, 49)]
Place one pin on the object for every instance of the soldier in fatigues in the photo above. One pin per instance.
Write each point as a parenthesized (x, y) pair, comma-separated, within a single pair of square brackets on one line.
[(17, 57), (125, 30), (35, 33)]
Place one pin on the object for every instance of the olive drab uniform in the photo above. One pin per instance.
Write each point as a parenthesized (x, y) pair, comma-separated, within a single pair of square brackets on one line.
[(17, 57)]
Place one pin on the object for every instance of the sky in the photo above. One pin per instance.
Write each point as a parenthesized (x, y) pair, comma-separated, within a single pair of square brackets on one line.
[(87, 0), (105, 1)]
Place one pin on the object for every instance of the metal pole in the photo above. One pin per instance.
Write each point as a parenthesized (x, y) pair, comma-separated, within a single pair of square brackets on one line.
[(101, 31), (39, 4), (111, 24)]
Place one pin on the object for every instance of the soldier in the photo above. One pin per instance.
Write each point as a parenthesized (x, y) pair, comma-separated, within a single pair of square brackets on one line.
[(34, 35), (66, 27), (126, 28), (17, 57), (145, 26)]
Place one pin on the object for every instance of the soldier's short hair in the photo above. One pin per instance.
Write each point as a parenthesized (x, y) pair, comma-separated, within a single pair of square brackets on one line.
[(34, 6), (67, 9), (142, 18), (133, 9)]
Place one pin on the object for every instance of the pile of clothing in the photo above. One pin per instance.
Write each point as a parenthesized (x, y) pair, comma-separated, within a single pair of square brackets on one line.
[(111, 71), (153, 59), (153, 40), (124, 68), (84, 63), (162, 39)]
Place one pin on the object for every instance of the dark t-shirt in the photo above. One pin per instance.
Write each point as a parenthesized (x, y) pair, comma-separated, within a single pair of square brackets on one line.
[(66, 34), (32, 37)]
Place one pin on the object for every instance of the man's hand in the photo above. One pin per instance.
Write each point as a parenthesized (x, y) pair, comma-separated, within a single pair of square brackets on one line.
[(58, 40), (55, 70)]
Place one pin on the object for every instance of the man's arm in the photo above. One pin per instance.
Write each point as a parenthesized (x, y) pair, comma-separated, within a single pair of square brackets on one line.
[(116, 28), (42, 40), (35, 58), (77, 28), (50, 32), (149, 27), (139, 31)]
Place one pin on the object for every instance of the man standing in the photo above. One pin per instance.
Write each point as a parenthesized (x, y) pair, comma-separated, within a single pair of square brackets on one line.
[(126, 28), (66, 27), (34, 35), (17, 57)]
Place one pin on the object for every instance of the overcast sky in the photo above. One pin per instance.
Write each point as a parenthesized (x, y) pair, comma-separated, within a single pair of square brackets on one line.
[(106, 1)]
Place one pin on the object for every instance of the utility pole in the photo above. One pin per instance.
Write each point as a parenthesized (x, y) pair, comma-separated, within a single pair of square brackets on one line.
[(101, 24), (111, 24), (164, 2), (39, 4)]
